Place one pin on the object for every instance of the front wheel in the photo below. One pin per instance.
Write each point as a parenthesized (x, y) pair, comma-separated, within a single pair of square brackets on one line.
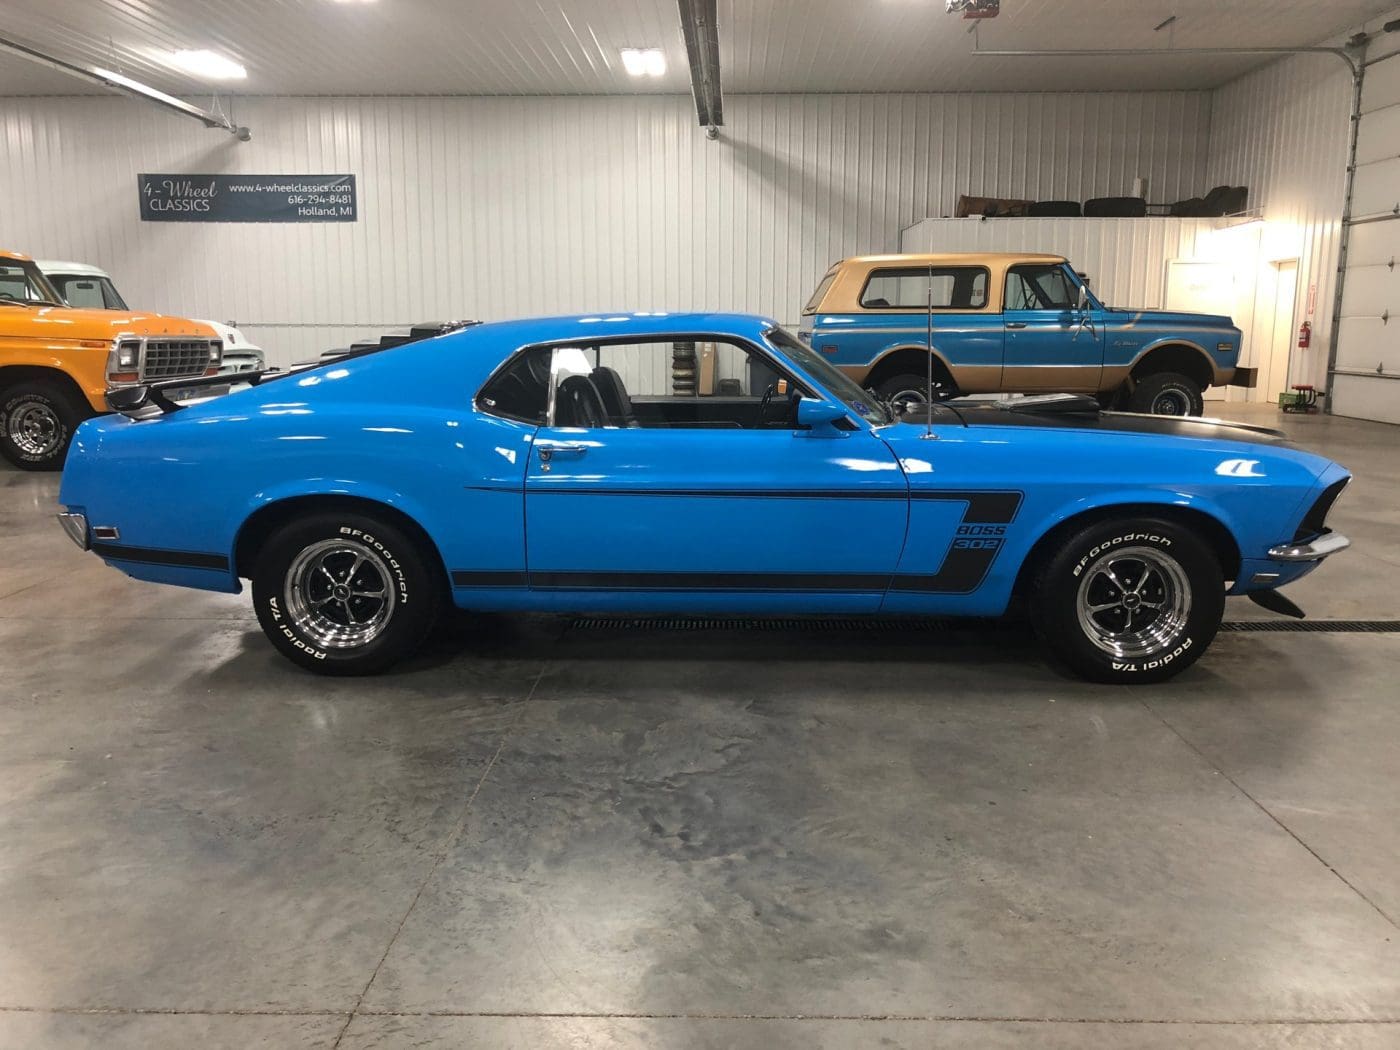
[(1167, 394), (37, 421), (345, 593), (1137, 600)]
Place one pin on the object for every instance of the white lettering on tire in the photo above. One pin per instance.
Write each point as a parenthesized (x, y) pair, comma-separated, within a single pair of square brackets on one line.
[(1160, 661), (291, 635), (365, 537), (1128, 537)]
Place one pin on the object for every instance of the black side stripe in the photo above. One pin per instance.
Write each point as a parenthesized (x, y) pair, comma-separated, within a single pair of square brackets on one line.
[(465, 578), (986, 508), (962, 573), (572, 489), (160, 556)]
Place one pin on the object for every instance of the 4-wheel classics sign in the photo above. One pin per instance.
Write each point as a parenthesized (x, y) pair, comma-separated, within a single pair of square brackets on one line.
[(248, 198)]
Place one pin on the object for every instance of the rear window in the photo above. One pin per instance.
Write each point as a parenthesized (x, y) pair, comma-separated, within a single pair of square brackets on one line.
[(910, 288), (821, 291)]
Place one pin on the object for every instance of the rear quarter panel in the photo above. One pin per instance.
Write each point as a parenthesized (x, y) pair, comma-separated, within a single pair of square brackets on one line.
[(402, 436)]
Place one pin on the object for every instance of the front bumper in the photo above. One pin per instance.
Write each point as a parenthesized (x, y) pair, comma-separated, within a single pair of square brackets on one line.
[(1314, 550), (75, 525)]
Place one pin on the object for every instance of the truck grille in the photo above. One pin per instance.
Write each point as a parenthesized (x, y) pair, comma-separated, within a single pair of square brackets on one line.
[(176, 358)]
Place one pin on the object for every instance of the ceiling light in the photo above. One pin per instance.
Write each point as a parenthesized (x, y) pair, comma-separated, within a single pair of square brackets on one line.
[(644, 62), (207, 65)]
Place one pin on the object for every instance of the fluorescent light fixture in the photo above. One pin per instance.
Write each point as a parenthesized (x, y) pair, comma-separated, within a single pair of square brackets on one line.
[(206, 65), (644, 61)]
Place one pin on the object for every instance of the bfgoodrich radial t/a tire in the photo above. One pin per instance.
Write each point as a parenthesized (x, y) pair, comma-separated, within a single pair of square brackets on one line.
[(345, 593), (1136, 600)]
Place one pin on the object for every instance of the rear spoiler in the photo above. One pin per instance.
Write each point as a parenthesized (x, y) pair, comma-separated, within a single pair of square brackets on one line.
[(147, 400)]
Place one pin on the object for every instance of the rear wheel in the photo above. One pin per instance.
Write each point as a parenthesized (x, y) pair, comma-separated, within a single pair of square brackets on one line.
[(1136, 600), (1167, 394), (345, 593), (37, 420), (909, 389)]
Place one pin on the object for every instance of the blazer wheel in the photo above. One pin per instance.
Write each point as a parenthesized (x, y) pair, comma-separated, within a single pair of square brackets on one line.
[(1136, 600), (345, 593), (37, 420)]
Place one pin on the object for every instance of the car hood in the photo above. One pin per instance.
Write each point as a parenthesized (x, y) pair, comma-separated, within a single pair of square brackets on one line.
[(62, 322), (1068, 415)]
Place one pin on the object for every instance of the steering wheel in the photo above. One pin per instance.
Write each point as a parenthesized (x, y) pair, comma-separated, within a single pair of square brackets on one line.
[(763, 405)]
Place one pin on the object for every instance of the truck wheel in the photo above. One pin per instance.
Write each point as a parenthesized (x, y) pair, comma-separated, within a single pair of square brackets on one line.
[(345, 593), (909, 389), (1135, 600), (1166, 394), (37, 420)]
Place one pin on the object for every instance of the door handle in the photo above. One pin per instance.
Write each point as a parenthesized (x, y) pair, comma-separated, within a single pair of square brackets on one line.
[(546, 452), (546, 449), (1015, 324)]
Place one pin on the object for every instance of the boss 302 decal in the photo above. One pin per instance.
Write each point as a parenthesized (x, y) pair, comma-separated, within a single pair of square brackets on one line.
[(979, 538)]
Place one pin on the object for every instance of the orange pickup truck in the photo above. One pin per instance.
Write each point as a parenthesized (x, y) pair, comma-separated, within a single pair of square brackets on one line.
[(57, 363)]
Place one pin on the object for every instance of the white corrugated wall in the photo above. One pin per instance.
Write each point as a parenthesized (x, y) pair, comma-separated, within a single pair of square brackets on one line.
[(1283, 132), (496, 207)]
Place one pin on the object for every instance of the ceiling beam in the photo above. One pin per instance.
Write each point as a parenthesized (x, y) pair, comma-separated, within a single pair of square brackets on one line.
[(700, 28), (127, 86)]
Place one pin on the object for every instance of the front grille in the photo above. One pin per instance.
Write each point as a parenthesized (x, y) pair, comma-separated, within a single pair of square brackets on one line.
[(1315, 521), (176, 358)]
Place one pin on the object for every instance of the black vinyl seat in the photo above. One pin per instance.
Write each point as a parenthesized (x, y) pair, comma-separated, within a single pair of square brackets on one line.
[(616, 401), (577, 404)]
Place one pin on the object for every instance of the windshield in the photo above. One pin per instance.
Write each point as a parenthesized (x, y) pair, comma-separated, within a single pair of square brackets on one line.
[(87, 292), (21, 282), (829, 376)]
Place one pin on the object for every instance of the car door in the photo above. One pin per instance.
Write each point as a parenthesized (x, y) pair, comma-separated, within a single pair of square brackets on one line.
[(656, 487), (1046, 347)]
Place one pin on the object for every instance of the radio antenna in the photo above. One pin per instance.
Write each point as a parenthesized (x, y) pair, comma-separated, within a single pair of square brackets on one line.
[(928, 389)]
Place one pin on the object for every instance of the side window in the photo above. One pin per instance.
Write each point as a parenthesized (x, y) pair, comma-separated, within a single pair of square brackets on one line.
[(909, 288), (1039, 288), (521, 390), (669, 384)]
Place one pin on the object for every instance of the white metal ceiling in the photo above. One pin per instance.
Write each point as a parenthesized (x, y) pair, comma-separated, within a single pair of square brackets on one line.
[(569, 47)]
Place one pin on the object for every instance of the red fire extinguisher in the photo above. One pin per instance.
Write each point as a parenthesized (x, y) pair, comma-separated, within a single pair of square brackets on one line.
[(1305, 336)]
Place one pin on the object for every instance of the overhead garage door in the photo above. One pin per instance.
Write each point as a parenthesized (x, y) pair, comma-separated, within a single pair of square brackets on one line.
[(1366, 382)]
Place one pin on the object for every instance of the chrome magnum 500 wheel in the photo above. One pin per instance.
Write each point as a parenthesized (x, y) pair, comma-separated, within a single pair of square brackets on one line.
[(1129, 601), (345, 594)]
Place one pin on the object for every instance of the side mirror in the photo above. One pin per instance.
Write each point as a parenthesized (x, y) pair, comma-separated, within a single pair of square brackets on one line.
[(1083, 305), (814, 414)]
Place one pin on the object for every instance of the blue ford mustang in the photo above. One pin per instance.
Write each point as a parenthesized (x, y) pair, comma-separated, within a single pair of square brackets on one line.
[(686, 462)]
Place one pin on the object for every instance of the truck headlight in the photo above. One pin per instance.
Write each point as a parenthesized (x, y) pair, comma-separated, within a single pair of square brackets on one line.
[(216, 352), (128, 356)]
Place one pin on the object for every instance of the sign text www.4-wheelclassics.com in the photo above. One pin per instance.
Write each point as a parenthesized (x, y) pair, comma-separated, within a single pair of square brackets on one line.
[(248, 198)]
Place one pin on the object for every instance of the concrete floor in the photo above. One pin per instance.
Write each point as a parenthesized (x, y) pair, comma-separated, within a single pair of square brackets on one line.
[(544, 837)]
